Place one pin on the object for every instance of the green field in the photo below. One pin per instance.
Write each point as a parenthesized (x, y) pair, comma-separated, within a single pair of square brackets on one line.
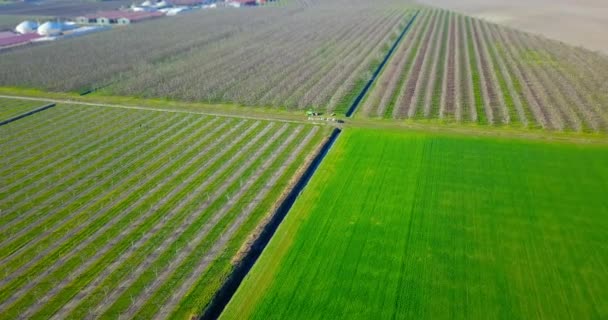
[(423, 226), (112, 211), (10, 108), (189, 170)]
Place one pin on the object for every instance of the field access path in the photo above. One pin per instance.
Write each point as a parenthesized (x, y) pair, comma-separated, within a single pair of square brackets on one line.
[(250, 115), (359, 122)]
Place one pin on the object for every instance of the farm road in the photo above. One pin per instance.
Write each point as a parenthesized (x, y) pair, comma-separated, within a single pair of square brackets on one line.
[(246, 114), (367, 123)]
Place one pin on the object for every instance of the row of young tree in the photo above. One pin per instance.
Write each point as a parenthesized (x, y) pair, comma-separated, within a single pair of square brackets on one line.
[(459, 68), (111, 212), (297, 55)]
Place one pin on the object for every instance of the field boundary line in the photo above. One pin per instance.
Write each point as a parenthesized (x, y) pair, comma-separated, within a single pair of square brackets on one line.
[(368, 85), (254, 251), (29, 113), (277, 118)]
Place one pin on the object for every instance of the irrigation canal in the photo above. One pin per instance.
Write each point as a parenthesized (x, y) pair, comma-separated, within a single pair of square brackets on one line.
[(374, 76), (228, 289), (223, 296)]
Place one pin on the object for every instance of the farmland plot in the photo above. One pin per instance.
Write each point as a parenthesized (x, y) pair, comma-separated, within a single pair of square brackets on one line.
[(10, 108), (295, 56), (457, 68), (114, 212), (422, 226)]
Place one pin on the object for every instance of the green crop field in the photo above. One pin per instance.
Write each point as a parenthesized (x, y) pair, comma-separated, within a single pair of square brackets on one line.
[(10, 108), (423, 226), (110, 211), (303, 159)]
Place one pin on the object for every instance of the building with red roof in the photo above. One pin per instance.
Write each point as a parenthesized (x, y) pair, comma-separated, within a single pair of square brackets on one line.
[(17, 39)]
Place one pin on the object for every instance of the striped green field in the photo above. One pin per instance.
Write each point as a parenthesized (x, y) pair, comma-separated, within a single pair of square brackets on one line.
[(109, 212), (10, 108), (424, 226)]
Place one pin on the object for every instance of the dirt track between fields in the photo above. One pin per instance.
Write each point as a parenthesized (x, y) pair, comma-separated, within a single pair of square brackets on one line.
[(244, 114), (472, 130)]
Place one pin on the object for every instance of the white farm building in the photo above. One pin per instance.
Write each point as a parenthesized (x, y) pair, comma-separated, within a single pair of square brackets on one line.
[(26, 27), (50, 28), (117, 17)]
